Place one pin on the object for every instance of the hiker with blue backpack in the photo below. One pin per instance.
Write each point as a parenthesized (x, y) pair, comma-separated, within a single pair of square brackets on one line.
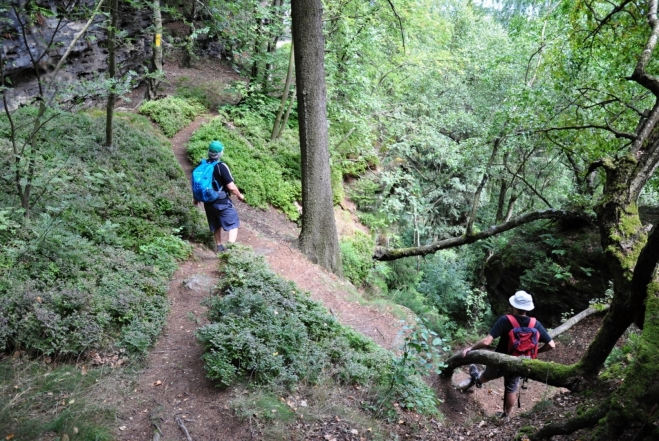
[(520, 336), (213, 185)]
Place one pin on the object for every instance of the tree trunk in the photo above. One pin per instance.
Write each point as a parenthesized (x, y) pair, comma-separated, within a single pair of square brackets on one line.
[(481, 186), (318, 239), (286, 115), (112, 71), (284, 97), (156, 60)]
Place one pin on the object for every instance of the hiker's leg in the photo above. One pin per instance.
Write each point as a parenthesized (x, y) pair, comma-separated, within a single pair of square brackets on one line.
[(511, 384), (233, 235), (509, 399), (218, 236), (489, 374)]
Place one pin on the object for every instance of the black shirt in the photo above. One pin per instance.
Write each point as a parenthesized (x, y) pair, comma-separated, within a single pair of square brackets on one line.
[(222, 175), (503, 326)]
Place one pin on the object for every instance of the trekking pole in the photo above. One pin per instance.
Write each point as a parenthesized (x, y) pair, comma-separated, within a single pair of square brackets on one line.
[(519, 393)]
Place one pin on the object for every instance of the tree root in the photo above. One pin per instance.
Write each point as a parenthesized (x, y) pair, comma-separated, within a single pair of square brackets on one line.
[(589, 419)]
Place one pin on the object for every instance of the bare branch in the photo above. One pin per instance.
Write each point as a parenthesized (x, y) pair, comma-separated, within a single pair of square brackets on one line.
[(607, 127), (606, 19), (574, 320), (640, 75), (382, 253), (400, 22), (530, 187), (76, 38)]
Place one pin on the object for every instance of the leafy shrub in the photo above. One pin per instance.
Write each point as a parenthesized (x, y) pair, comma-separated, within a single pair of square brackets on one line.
[(265, 330), (265, 176), (172, 114), (209, 93), (622, 357), (91, 267), (357, 257), (445, 284)]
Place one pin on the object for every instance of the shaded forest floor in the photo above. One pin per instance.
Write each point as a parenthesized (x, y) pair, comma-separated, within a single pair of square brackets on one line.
[(172, 391)]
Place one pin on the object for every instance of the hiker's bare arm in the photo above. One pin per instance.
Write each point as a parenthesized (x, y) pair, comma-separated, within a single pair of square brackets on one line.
[(547, 346), (484, 343), (234, 190)]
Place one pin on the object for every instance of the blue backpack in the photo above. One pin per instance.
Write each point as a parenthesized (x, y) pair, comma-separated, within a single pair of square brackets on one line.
[(204, 185)]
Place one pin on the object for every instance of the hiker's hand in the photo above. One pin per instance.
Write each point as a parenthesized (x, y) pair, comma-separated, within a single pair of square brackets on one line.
[(195, 202), (241, 198), (464, 353)]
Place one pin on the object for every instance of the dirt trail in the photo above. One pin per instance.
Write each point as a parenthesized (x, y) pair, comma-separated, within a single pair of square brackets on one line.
[(174, 384)]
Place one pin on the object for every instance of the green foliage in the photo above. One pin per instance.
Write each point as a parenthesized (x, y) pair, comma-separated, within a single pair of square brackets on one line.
[(422, 353), (209, 93), (91, 269), (267, 173), (41, 400), (357, 257), (265, 330), (621, 358), (445, 284), (172, 114)]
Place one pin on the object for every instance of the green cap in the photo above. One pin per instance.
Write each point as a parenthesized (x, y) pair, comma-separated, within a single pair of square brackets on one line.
[(216, 147)]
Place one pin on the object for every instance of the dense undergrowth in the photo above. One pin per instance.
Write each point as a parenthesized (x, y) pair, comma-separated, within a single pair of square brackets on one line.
[(89, 268), (41, 401), (172, 113), (265, 331)]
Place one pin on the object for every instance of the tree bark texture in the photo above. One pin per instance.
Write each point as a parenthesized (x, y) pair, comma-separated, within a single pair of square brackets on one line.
[(276, 130), (112, 71), (156, 60), (318, 239)]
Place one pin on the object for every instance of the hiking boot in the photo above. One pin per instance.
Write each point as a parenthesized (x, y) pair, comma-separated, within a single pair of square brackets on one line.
[(502, 416), (465, 385), (474, 373), (221, 249)]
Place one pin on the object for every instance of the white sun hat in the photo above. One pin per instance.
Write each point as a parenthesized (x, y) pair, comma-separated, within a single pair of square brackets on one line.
[(522, 301)]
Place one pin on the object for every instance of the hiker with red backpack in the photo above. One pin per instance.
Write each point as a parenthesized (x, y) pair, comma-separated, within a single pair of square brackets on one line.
[(520, 336)]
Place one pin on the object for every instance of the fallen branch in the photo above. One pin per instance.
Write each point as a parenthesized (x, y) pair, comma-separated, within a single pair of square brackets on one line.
[(574, 320), (382, 253), (179, 421)]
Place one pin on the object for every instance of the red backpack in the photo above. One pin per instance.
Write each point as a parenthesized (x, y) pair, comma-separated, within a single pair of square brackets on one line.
[(523, 340)]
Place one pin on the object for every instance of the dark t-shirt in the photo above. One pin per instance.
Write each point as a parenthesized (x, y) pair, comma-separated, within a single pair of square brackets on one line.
[(503, 326), (222, 175)]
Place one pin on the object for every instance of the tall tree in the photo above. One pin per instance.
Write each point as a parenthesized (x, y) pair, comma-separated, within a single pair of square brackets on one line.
[(113, 10), (153, 82), (318, 239)]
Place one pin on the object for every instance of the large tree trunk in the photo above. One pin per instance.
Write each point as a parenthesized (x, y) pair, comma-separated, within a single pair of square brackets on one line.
[(318, 239), (112, 71), (156, 60)]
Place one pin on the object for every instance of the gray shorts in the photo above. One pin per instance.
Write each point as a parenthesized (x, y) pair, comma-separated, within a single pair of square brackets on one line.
[(510, 381), (221, 214)]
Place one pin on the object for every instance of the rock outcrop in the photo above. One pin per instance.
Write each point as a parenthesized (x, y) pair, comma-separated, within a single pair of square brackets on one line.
[(45, 31)]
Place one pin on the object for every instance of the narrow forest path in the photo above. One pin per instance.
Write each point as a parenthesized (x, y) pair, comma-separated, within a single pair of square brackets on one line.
[(173, 384)]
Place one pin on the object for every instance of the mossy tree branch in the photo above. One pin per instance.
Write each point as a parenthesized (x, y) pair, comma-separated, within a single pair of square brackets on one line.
[(554, 374)]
